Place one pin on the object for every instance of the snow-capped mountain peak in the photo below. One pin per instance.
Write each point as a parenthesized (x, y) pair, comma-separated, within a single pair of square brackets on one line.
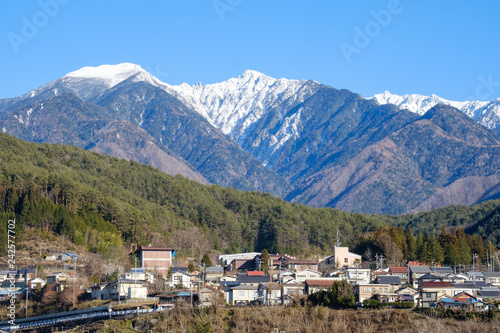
[(237, 103), (485, 113), (111, 74), (89, 82)]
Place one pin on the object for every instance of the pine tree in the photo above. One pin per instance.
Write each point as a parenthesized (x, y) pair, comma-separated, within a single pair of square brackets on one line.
[(452, 256), (420, 247), (206, 260), (265, 261), (412, 245), (436, 250), (464, 251)]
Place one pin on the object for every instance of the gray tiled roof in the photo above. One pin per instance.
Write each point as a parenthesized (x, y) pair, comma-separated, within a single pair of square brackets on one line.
[(245, 287), (420, 269), (214, 270), (489, 293), (253, 279), (470, 284), (389, 279), (442, 270)]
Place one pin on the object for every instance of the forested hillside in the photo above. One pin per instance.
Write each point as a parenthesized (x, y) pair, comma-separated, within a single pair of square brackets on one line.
[(100, 201)]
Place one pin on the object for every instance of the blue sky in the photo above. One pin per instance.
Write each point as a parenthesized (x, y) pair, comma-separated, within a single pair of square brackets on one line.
[(449, 48)]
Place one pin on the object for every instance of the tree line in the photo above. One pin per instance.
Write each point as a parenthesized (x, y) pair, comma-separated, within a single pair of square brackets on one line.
[(101, 202)]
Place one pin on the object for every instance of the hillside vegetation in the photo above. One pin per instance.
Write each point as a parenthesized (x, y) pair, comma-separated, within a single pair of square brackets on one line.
[(100, 201)]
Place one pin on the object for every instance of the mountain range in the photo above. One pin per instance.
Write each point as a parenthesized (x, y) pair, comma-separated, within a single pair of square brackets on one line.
[(300, 140)]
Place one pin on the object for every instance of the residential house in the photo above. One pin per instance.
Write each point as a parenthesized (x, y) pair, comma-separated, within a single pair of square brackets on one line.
[(270, 293), (393, 281), (302, 276), (406, 294), (441, 288), (470, 287), (428, 278), (291, 291), (416, 272), (25, 274), (365, 291), (156, 259), (5, 274), (180, 280), (50, 257), (300, 264), (8, 288), (489, 292), (182, 269), (253, 280), (241, 294), (492, 278), (37, 283), (455, 278), (429, 299), (99, 291), (57, 277), (358, 275), (401, 272), (315, 285), (140, 274), (378, 272), (179, 297), (208, 296), (228, 278), (475, 276), (213, 274), (441, 270), (275, 261), (462, 301), (68, 256), (243, 264), (123, 288)]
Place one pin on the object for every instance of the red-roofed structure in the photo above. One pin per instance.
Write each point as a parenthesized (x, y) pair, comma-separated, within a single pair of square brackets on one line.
[(255, 273)]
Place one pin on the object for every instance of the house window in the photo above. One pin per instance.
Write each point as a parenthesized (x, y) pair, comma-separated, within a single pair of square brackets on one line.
[(241, 293)]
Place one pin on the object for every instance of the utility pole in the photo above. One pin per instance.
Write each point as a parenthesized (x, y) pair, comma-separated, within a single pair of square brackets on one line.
[(204, 267), (119, 289), (473, 268), (337, 244), (270, 283), (135, 278), (74, 282), (27, 289)]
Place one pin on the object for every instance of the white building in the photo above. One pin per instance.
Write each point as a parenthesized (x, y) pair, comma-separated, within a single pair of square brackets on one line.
[(227, 259), (241, 294), (37, 283), (180, 279), (356, 275), (127, 289), (140, 274), (342, 258), (306, 275)]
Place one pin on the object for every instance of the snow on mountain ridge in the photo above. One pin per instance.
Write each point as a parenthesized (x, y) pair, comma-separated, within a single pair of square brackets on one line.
[(485, 113), (234, 105), (111, 74)]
